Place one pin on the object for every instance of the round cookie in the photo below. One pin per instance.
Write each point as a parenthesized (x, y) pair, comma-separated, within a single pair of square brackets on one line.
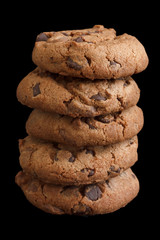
[(76, 97), (101, 130), (65, 165), (101, 198), (95, 53)]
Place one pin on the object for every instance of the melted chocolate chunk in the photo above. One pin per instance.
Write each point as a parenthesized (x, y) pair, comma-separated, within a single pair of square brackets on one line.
[(73, 64), (72, 159), (67, 102), (65, 34), (113, 63), (78, 39), (105, 119), (98, 97), (88, 151), (90, 172), (93, 192), (36, 90), (42, 37), (131, 142), (113, 169), (127, 83), (89, 123)]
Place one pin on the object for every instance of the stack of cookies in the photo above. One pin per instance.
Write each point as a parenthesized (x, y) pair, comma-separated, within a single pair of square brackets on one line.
[(82, 134)]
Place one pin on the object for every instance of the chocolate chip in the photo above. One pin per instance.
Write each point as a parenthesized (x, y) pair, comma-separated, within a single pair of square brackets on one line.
[(99, 97), (127, 83), (73, 64), (90, 172), (131, 142), (65, 34), (42, 37), (78, 39), (89, 123), (113, 63), (93, 192), (72, 159), (113, 169), (67, 102), (36, 90), (105, 119), (88, 151)]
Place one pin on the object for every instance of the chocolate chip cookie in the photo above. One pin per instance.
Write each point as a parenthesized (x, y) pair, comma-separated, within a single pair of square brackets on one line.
[(77, 97), (93, 199), (100, 130), (95, 53), (65, 165)]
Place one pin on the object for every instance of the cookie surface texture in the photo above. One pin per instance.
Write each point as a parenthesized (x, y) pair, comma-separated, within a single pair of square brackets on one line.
[(77, 97), (65, 165), (95, 53), (101, 130)]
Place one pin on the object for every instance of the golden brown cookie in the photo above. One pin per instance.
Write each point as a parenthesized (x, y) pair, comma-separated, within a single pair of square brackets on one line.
[(100, 198), (77, 97), (95, 53), (65, 165), (101, 130)]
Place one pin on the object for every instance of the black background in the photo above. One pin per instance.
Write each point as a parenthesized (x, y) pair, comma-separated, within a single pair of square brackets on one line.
[(28, 217)]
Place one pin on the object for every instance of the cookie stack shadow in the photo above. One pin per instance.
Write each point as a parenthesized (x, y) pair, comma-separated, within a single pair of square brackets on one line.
[(82, 134)]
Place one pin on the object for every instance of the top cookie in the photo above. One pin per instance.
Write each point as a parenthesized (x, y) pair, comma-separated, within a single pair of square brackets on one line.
[(90, 53)]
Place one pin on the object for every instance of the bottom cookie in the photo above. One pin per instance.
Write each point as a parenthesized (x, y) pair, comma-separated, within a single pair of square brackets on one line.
[(100, 198)]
